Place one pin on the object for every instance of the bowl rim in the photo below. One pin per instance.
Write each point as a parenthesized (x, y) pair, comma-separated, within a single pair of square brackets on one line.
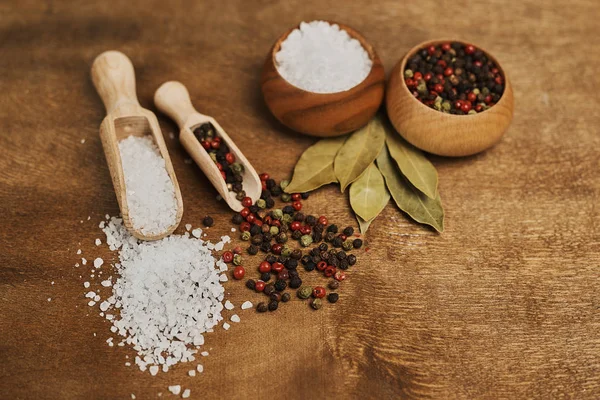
[(430, 42), (353, 33)]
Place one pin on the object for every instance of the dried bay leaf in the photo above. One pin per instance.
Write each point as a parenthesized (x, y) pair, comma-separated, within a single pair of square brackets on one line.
[(368, 194), (364, 225), (412, 162), (410, 200), (315, 166), (358, 152)]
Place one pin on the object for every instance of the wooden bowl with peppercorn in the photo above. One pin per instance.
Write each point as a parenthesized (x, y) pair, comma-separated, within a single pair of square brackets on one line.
[(460, 101), (323, 114)]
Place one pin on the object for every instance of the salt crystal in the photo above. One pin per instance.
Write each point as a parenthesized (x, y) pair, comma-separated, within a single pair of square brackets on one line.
[(83, 261), (133, 396), (90, 295), (98, 262), (82, 141), (229, 305), (185, 394), (235, 318), (200, 368), (49, 298), (322, 58), (106, 283), (192, 372), (153, 370), (89, 217), (188, 227), (79, 251), (150, 191), (86, 285), (77, 266), (91, 303), (175, 389), (128, 364), (204, 354), (233, 229), (226, 326), (197, 232), (223, 278), (52, 283), (246, 305), (98, 242), (102, 224)]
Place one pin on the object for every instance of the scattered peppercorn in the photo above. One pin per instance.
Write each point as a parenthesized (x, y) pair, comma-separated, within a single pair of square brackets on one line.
[(208, 221), (351, 259), (262, 307), (251, 284), (265, 276), (275, 296), (333, 297), (319, 292), (270, 288), (252, 250), (239, 272), (357, 243), (316, 303), (237, 219), (285, 297), (305, 292), (280, 285), (237, 259), (273, 304), (333, 285)]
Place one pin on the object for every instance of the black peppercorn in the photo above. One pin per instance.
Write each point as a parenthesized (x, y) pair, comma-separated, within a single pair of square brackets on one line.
[(291, 263), (275, 296), (265, 194), (324, 256), (315, 251), (304, 195), (333, 285), (333, 297), (255, 229), (282, 259), (337, 242), (316, 259), (317, 237), (273, 304), (341, 255), (237, 219), (252, 250), (270, 288), (261, 307), (257, 239), (348, 231), (265, 247), (270, 183), (323, 247), (299, 217), (251, 284), (288, 210), (296, 235), (208, 221), (305, 259), (311, 220), (276, 191), (334, 261), (285, 297), (295, 282), (344, 264), (280, 285), (281, 237), (271, 259), (357, 243), (293, 273), (265, 276), (267, 237), (351, 259), (253, 209), (310, 266), (270, 202), (332, 228), (329, 236)]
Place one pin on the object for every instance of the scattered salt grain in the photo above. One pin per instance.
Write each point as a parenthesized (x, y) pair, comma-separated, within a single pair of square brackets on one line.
[(188, 227), (106, 283), (98, 242), (79, 251), (175, 389), (91, 303), (82, 141), (235, 318), (133, 396), (186, 394), (223, 278), (204, 354), (52, 283), (233, 229), (102, 224), (192, 372), (49, 298), (226, 326), (246, 305), (153, 370), (86, 285), (150, 191), (89, 217), (197, 232), (83, 261), (98, 262), (322, 58), (229, 305), (200, 368)]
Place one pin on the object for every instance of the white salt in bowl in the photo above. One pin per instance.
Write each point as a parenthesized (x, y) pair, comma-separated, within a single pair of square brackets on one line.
[(323, 114)]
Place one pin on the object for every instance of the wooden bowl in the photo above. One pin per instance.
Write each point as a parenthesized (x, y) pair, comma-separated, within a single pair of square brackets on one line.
[(323, 114), (440, 133)]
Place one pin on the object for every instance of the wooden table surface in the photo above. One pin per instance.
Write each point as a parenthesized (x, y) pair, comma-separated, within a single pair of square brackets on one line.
[(504, 304)]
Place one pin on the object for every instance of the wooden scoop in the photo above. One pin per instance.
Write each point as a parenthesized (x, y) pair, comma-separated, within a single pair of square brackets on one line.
[(114, 79), (173, 99)]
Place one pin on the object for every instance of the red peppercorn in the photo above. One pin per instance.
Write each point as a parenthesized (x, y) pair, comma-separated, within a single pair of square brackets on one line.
[(237, 250), (469, 49), (478, 108), (230, 158), (417, 76), (263, 185), (439, 88), (245, 212), (219, 166), (321, 265), (285, 275), (488, 99), (259, 286), (267, 220), (278, 267), (318, 292), (343, 237), (276, 248), (498, 80), (440, 77), (477, 64), (215, 145), (251, 218), (223, 175), (428, 76), (246, 201), (264, 267), (446, 47), (466, 107), (244, 227), (330, 271), (323, 220), (431, 50), (276, 223), (227, 256), (410, 83), (239, 272), (306, 230), (217, 139), (205, 144), (472, 97), (264, 176), (458, 104), (448, 71), (339, 276), (258, 222), (494, 70), (297, 205), (296, 197), (442, 63), (296, 225)]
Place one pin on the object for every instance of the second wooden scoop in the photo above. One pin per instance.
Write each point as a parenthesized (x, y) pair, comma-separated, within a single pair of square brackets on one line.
[(114, 79), (173, 99)]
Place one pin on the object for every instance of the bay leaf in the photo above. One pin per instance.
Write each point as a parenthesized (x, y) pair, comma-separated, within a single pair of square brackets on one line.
[(315, 166), (368, 194), (364, 225), (358, 152), (412, 162), (409, 199)]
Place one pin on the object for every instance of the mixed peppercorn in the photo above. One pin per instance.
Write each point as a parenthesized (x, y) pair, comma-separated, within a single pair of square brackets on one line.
[(224, 159), (271, 230), (454, 78)]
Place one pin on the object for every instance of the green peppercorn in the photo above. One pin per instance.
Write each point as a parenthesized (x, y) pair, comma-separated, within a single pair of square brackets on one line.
[(283, 184), (285, 297), (262, 307), (408, 73), (273, 230), (237, 168), (237, 259), (316, 303), (333, 297), (306, 240), (296, 235), (304, 292), (277, 213), (246, 236), (286, 251), (286, 197), (347, 245), (287, 219), (213, 156), (260, 203), (333, 285)]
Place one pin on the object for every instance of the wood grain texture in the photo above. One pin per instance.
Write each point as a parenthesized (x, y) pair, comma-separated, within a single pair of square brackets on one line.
[(323, 114), (505, 304), (440, 133)]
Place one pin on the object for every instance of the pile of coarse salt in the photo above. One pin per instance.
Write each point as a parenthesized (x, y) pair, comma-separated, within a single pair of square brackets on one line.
[(168, 294), (322, 58), (150, 191)]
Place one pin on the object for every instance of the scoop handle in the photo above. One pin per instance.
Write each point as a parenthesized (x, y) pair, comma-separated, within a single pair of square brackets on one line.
[(172, 98), (114, 79)]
